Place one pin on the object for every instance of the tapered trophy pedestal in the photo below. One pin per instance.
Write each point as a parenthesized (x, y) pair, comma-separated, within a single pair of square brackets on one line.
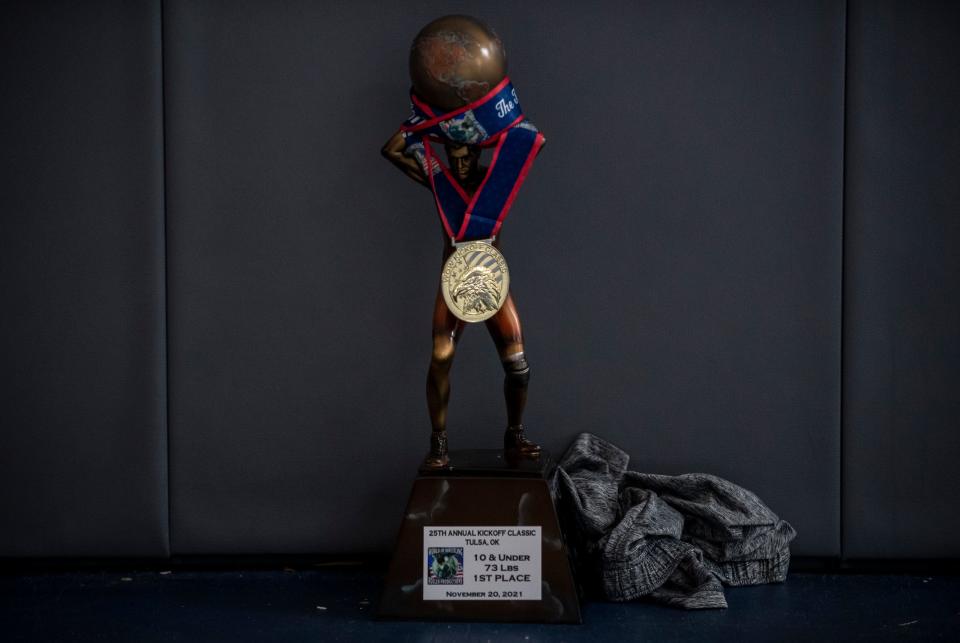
[(480, 541)]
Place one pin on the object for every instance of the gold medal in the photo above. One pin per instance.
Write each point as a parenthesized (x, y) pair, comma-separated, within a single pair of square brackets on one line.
[(475, 281)]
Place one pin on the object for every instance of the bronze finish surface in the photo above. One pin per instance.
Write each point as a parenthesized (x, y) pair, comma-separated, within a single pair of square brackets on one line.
[(455, 60)]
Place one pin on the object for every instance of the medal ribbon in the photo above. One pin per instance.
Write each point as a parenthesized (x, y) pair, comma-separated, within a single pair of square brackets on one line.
[(495, 120)]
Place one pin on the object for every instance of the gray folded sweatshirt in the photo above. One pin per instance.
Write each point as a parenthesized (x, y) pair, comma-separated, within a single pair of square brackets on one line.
[(674, 539)]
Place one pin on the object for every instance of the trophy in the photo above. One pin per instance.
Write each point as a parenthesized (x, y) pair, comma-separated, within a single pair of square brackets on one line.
[(480, 539), (462, 100)]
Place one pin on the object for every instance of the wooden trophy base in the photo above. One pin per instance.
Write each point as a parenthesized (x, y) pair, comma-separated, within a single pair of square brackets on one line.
[(480, 541)]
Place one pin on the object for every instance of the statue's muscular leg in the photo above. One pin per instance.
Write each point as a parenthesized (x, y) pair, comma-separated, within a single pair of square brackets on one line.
[(447, 330), (507, 333)]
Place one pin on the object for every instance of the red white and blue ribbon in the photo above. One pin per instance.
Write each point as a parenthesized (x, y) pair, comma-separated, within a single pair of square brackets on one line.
[(496, 121)]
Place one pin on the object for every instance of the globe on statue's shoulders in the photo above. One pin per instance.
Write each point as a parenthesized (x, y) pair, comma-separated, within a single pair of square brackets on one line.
[(456, 60)]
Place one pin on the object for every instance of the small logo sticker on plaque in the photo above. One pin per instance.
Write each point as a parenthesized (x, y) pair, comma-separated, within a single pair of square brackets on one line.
[(482, 563), (445, 566)]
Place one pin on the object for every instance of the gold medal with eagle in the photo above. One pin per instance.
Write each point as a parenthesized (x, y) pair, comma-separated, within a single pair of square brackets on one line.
[(475, 281)]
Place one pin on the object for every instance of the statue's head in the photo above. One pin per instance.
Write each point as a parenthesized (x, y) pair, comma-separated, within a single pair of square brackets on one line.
[(455, 60), (464, 160)]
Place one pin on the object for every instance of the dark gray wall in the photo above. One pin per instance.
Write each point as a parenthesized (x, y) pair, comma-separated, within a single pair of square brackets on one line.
[(680, 257), (83, 451), (902, 306), (675, 259)]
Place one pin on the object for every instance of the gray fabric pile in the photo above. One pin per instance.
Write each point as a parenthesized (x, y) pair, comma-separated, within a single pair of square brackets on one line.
[(674, 539)]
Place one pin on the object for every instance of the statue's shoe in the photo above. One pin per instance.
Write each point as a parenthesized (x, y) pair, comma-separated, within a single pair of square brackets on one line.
[(515, 442), (438, 457)]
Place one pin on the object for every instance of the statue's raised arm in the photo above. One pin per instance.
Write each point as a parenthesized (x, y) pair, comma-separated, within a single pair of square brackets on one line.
[(393, 151)]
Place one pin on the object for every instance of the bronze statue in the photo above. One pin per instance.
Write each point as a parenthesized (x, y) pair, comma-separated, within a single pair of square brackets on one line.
[(460, 90)]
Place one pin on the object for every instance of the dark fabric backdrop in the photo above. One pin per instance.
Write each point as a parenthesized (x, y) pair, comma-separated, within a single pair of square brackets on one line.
[(901, 442), (697, 281), (83, 430)]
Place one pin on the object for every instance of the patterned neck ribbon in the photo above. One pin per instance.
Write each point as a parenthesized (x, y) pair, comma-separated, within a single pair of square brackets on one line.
[(495, 120)]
